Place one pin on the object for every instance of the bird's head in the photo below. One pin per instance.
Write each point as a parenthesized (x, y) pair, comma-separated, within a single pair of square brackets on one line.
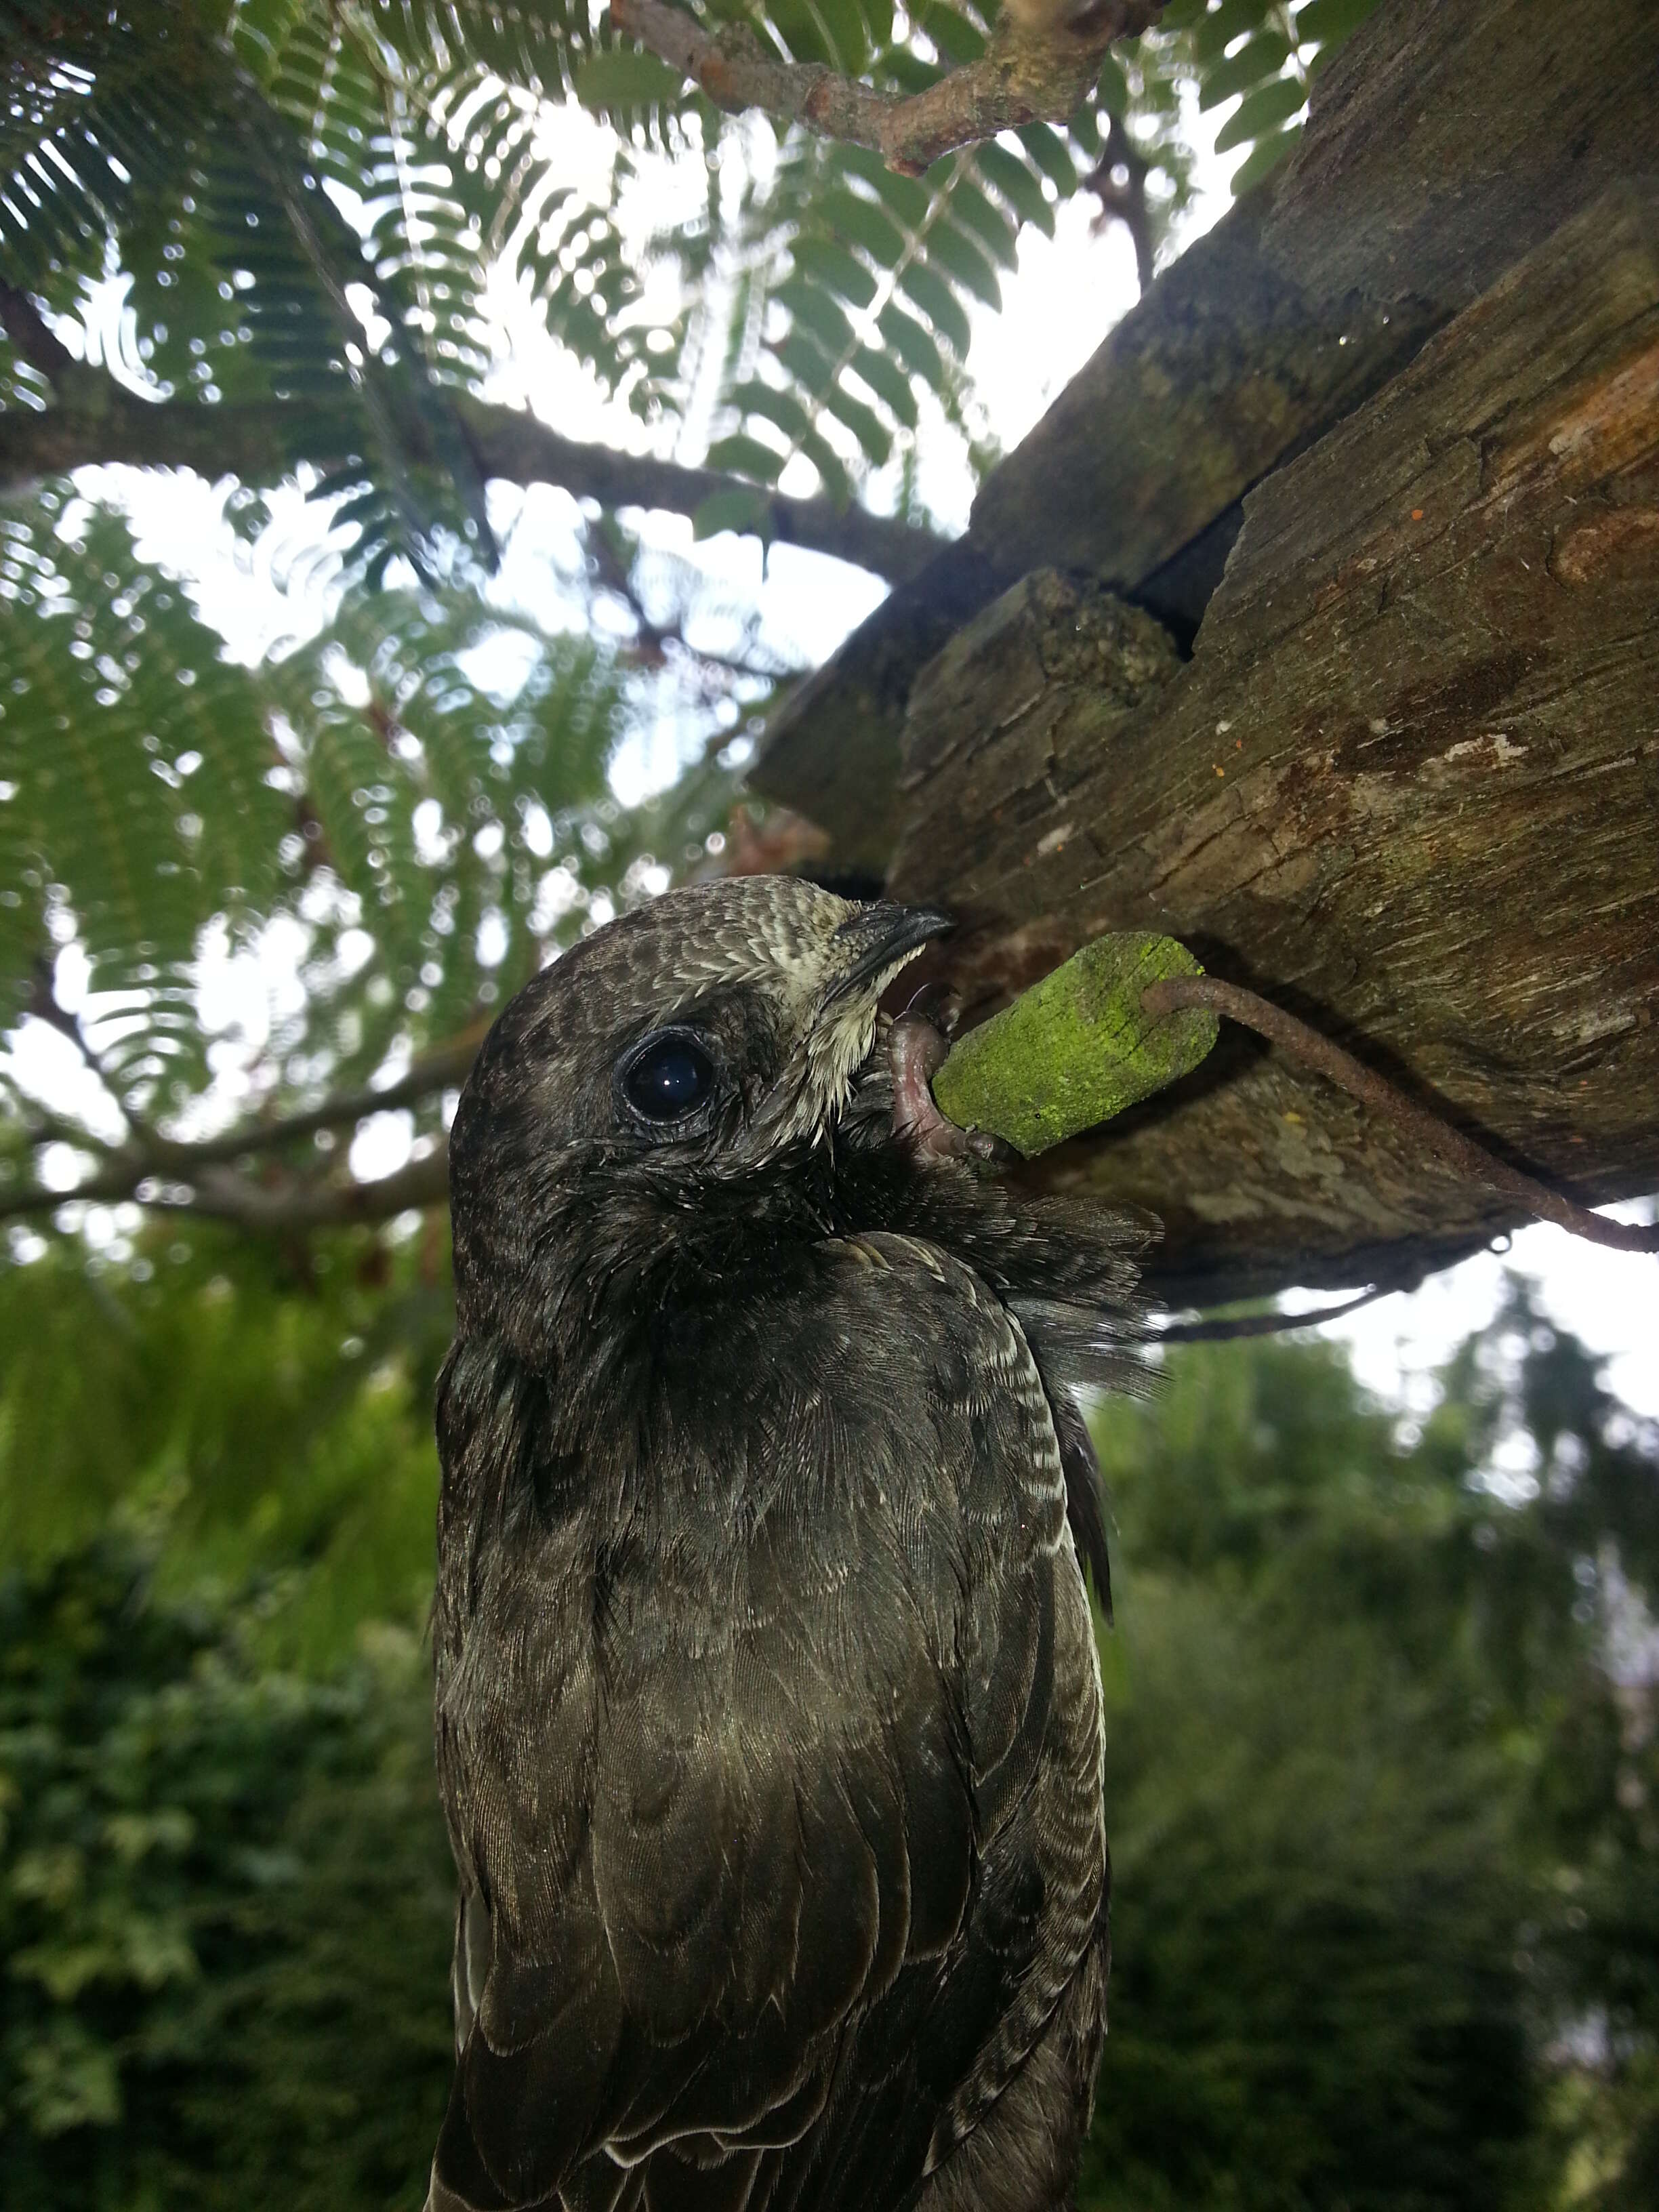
[(678, 1054)]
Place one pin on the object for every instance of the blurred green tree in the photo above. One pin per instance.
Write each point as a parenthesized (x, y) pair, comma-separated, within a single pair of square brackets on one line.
[(1382, 1769), (225, 1908), (1382, 1777), (248, 1410)]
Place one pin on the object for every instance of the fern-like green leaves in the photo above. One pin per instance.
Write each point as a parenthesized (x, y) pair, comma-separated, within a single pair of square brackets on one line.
[(309, 202), (308, 199), (422, 788), (131, 753), (835, 293), (1264, 54), (216, 143)]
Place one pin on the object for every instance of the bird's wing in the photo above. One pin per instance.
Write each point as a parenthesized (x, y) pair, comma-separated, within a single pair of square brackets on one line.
[(845, 1851)]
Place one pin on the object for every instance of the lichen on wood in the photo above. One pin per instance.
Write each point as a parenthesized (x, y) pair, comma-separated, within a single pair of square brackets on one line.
[(1076, 1048)]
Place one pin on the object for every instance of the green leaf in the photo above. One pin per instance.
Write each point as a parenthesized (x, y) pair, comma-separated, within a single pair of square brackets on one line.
[(889, 382), (908, 72), (956, 39), (743, 456), (814, 308), (138, 756), (913, 343), (969, 208), (1113, 86), (847, 33), (1223, 24), (800, 353), (1009, 176), (742, 510), (939, 304), (1263, 56), (861, 223), (875, 440), (833, 265), (878, 21), (830, 467), (961, 258), (905, 199), (807, 31), (781, 408), (1085, 134), (1048, 150), (625, 78), (1261, 111), (24, 936), (1331, 21)]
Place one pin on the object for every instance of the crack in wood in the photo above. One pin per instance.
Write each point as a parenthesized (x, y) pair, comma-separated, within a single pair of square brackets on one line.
[(1431, 721)]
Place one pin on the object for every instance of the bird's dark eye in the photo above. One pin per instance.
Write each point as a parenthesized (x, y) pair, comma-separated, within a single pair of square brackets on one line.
[(668, 1077)]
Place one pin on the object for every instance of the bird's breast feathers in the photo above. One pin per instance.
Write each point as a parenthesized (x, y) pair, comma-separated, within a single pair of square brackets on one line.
[(775, 1705)]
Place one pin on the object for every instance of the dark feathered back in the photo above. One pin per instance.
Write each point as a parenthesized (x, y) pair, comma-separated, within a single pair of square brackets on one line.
[(769, 1710)]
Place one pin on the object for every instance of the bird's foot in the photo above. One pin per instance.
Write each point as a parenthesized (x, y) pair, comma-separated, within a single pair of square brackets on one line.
[(918, 1044)]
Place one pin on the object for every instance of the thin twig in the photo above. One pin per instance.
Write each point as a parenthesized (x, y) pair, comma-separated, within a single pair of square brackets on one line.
[(1459, 1152), (220, 1194), (616, 575), (195, 1177), (1022, 77), (1222, 1332)]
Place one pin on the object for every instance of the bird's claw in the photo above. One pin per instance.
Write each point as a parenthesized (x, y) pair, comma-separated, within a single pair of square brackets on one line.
[(916, 1050)]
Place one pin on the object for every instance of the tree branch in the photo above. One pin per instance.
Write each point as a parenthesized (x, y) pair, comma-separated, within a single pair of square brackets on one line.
[(1118, 180), (261, 441), (169, 1176), (523, 451), (1022, 77), (290, 1206), (1274, 1324), (445, 1069), (217, 1194)]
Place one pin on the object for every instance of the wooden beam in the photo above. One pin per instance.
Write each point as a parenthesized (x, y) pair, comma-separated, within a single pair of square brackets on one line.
[(1224, 368), (1449, 138), (1408, 786)]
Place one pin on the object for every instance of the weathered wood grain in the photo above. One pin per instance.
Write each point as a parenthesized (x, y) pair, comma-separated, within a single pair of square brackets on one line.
[(1451, 136), (1448, 139), (1408, 784), (1224, 369)]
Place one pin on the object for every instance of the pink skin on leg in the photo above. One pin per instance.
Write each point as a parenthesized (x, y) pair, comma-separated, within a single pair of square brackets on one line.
[(915, 1052)]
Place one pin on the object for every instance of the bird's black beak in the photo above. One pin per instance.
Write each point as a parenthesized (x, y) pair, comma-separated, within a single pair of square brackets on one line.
[(876, 942)]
